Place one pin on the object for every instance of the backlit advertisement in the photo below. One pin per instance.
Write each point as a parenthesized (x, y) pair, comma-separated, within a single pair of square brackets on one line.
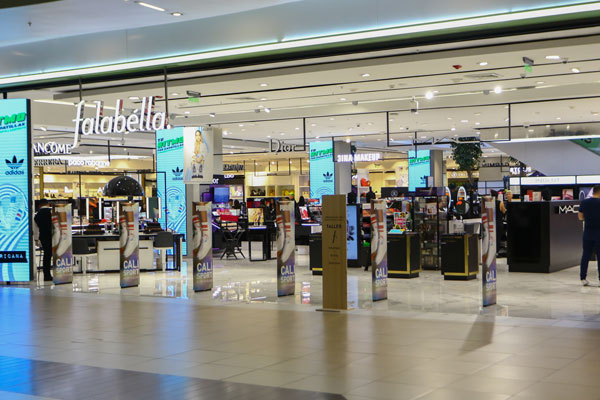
[(169, 159), (379, 265), (202, 246), (352, 236), (129, 241), (322, 169), (488, 249), (198, 155), (15, 173), (286, 246), (419, 168), (62, 244)]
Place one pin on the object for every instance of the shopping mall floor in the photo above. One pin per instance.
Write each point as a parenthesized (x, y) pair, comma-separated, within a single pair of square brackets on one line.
[(430, 340)]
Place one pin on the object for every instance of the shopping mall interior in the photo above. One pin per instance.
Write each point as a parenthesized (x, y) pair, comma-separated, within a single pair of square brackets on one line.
[(196, 191)]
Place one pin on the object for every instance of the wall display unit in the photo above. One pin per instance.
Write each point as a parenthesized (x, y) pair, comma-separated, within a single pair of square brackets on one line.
[(430, 219)]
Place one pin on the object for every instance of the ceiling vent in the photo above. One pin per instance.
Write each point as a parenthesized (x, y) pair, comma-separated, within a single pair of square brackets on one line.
[(484, 76)]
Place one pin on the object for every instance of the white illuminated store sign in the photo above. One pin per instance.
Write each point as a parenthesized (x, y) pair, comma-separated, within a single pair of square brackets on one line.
[(118, 123), (365, 157)]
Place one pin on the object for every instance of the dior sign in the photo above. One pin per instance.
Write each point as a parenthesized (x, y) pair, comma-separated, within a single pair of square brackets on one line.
[(279, 146)]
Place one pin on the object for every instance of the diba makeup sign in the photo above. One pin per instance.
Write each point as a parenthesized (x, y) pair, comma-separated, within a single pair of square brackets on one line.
[(146, 120)]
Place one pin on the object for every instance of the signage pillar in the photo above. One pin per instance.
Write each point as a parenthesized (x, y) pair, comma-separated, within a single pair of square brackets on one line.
[(286, 246), (62, 244), (202, 246), (489, 251), (129, 215), (335, 262), (379, 249)]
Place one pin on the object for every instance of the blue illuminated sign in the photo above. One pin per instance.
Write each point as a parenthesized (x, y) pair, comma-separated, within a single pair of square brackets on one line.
[(419, 168), (169, 159), (352, 236), (15, 187), (322, 169)]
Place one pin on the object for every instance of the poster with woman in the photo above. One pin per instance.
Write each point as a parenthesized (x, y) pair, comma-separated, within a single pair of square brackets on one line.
[(202, 246), (198, 155), (379, 249), (286, 246), (62, 244), (129, 215)]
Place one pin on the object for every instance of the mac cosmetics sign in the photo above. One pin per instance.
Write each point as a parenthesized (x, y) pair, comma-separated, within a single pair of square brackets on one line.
[(146, 120)]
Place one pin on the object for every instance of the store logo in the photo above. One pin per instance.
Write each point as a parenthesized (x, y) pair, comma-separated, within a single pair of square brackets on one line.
[(43, 149), (364, 157), (233, 167), (328, 177), (14, 166), (10, 122), (177, 174), (164, 145), (146, 120), (279, 146), (574, 209)]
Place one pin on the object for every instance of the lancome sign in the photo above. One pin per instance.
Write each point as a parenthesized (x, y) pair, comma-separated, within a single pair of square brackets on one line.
[(146, 120)]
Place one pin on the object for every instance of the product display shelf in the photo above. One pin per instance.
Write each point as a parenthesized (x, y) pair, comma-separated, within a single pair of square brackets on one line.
[(430, 223)]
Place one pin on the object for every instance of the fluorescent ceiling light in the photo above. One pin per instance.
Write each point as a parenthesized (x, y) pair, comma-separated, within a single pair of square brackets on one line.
[(289, 43), (141, 3)]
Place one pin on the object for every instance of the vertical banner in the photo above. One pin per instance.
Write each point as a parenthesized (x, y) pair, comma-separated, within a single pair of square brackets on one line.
[(335, 254), (286, 246), (322, 169), (202, 246), (198, 155), (62, 244), (129, 215), (488, 248), (169, 159), (379, 269), (15, 191)]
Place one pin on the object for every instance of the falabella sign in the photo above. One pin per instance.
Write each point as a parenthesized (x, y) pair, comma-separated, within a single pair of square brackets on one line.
[(147, 120)]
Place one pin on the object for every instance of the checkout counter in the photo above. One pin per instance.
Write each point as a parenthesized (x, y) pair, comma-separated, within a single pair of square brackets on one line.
[(543, 237)]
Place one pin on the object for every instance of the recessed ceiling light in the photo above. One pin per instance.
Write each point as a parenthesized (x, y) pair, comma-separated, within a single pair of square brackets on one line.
[(449, 118), (318, 137), (225, 133), (332, 119), (575, 70), (141, 3), (212, 115), (267, 110), (297, 129), (478, 123), (464, 121), (558, 118), (498, 89), (313, 125), (552, 57), (186, 112), (347, 140), (241, 125), (268, 136), (43, 128), (343, 99), (264, 84), (540, 82), (134, 98), (423, 137), (91, 152), (366, 75), (453, 129), (176, 14), (429, 95), (263, 98), (174, 94), (483, 63), (531, 131), (282, 133)]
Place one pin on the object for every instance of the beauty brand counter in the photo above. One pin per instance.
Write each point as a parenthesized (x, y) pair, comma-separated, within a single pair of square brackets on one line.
[(404, 255), (107, 250), (544, 236)]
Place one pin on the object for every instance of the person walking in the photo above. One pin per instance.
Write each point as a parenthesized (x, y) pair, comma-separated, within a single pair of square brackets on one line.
[(589, 212), (43, 220)]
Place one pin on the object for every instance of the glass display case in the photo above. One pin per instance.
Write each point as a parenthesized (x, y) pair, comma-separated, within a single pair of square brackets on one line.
[(430, 219)]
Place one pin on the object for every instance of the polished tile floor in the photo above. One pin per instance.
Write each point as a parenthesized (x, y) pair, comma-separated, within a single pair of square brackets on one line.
[(430, 340)]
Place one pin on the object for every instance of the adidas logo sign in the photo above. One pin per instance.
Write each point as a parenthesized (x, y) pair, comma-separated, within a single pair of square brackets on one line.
[(177, 174), (14, 166), (328, 177)]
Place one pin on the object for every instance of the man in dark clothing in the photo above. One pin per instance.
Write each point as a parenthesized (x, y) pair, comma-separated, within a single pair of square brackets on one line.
[(370, 195), (589, 212), (43, 219)]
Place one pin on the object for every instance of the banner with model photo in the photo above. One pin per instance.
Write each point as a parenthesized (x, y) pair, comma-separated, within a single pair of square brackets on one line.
[(379, 249), (171, 191), (62, 244), (286, 246), (129, 215), (202, 246), (198, 155), (15, 189), (488, 248)]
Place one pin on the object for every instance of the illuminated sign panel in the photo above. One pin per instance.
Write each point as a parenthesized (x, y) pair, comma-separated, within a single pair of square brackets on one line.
[(419, 168), (169, 159), (322, 169), (15, 175)]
